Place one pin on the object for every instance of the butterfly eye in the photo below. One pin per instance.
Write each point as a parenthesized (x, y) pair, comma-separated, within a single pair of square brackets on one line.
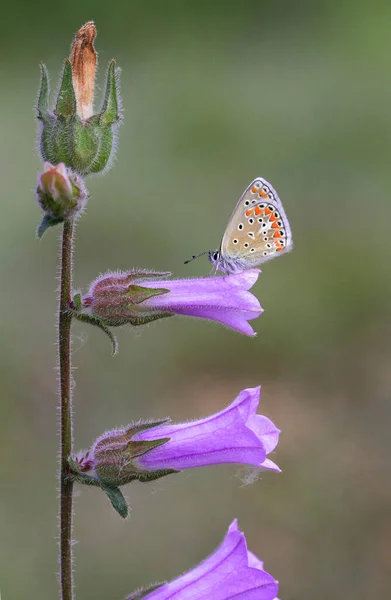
[(240, 226)]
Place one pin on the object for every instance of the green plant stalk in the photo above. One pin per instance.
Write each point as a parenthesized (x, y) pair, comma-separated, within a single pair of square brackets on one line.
[(65, 376)]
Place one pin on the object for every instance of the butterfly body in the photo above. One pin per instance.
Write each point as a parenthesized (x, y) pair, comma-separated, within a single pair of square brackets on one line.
[(257, 231)]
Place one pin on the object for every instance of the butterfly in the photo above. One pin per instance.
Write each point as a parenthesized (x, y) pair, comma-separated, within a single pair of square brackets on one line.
[(257, 231)]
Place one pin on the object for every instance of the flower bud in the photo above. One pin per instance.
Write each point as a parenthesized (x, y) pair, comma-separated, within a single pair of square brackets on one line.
[(71, 133), (61, 195), (112, 459)]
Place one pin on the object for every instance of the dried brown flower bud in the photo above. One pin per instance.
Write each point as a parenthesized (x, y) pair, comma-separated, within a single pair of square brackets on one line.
[(83, 60), (70, 132)]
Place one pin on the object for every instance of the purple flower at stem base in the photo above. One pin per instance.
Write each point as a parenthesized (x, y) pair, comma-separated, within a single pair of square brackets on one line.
[(232, 572)]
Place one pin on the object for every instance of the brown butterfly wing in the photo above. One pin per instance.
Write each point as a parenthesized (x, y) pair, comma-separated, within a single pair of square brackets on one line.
[(258, 229)]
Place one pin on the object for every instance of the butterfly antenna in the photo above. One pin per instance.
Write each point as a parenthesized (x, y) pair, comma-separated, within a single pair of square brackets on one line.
[(195, 256)]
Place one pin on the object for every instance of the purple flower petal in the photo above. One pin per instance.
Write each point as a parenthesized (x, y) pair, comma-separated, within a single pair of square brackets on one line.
[(223, 299), (230, 573), (234, 435), (270, 466), (268, 432)]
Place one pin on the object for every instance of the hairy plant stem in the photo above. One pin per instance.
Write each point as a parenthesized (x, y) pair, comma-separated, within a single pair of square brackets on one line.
[(64, 358)]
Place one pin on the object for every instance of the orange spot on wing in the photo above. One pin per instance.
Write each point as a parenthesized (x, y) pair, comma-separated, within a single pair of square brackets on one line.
[(275, 225), (279, 245), (263, 194), (258, 210), (273, 218), (277, 234), (268, 211), (249, 212), (254, 189)]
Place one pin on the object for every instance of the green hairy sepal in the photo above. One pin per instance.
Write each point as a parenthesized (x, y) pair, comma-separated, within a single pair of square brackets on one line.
[(112, 462), (114, 494), (111, 313), (85, 146), (96, 322)]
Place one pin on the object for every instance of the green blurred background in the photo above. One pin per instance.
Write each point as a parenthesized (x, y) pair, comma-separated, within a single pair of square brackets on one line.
[(214, 94)]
